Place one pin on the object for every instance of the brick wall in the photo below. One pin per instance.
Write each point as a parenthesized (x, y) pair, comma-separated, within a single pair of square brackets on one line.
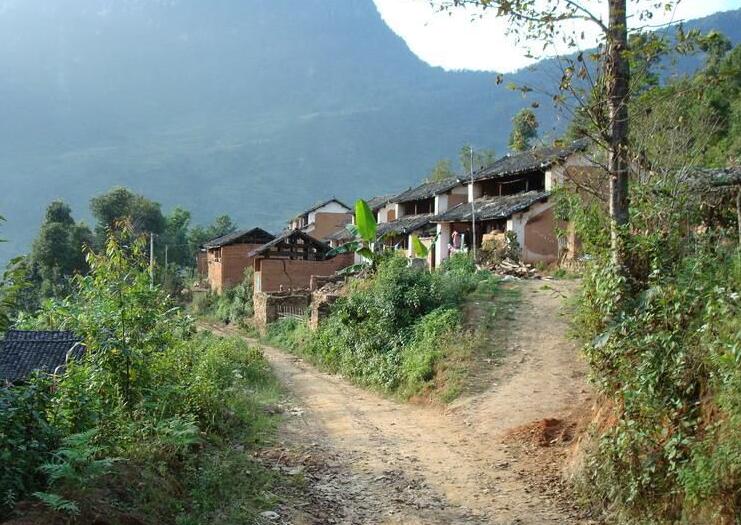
[(295, 274), (229, 270)]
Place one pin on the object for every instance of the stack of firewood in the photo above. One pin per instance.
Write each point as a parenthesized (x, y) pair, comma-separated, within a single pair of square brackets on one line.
[(515, 269)]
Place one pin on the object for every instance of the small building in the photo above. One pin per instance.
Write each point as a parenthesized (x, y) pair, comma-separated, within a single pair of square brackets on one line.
[(397, 233), (288, 262), (24, 352), (227, 257), (322, 219)]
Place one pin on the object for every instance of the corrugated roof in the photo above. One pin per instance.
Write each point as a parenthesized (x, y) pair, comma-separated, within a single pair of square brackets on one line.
[(491, 208), (405, 225), (235, 237), (535, 159), (427, 190), (23, 352)]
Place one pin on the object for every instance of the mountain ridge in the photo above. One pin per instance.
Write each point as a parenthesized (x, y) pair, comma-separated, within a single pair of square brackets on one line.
[(255, 109)]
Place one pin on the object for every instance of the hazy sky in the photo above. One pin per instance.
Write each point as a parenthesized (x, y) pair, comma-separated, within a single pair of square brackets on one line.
[(461, 40)]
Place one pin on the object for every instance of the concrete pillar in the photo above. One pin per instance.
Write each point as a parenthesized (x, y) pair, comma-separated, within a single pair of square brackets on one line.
[(443, 240), (441, 203), (474, 191)]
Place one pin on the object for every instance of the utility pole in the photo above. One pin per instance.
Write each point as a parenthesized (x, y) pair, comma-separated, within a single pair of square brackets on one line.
[(151, 261), (473, 211), (166, 247)]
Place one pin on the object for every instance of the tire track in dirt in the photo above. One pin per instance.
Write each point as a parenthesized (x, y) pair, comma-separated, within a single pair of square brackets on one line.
[(392, 463)]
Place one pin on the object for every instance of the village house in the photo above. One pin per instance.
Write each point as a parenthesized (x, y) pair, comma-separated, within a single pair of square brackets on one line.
[(512, 195), (24, 352), (228, 256), (322, 219), (410, 212), (290, 260)]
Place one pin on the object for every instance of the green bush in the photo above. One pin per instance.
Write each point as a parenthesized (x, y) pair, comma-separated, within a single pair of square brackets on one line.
[(665, 353), (149, 391), (390, 330)]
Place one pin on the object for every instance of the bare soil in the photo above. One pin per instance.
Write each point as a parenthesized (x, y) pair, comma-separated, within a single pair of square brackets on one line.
[(492, 457)]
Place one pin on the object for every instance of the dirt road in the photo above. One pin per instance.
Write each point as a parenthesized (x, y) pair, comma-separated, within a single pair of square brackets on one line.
[(367, 459)]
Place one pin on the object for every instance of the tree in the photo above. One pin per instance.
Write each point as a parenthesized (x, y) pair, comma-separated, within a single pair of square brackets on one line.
[(441, 171), (120, 204), (198, 235), (57, 251), (548, 22), (481, 158), (524, 130), (175, 237)]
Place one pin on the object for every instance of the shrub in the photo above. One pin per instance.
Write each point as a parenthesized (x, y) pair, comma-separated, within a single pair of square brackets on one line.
[(390, 330)]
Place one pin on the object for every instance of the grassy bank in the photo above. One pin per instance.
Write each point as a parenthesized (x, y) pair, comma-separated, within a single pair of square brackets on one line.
[(401, 331)]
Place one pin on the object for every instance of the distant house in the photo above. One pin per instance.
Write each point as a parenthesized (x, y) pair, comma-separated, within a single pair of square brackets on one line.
[(24, 352), (512, 194), (322, 219), (227, 257), (288, 262)]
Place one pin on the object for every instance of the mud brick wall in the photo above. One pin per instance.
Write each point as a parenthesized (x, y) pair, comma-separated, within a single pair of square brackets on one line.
[(229, 271), (267, 305), (284, 274)]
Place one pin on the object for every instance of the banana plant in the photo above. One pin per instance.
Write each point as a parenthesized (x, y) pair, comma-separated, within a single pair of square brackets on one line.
[(365, 241)]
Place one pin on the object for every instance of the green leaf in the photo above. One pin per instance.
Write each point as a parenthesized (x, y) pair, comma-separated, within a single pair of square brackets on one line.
[(349, 247), (419, 249), (365, 221), (365, 252)]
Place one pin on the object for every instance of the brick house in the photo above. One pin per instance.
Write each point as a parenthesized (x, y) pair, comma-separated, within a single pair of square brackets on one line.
[(322, 219), (288, 262), (228, 256)]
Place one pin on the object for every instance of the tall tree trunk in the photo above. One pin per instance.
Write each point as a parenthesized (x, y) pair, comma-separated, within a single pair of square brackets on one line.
[(617, 75)]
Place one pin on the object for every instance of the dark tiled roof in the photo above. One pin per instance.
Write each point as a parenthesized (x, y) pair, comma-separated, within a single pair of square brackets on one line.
[(427, 190), (321, 204), (715, 177), (22, 352), (378, 202), (292, 235), (406, 224), (492, 207), (258, 235), (340, 235), (534, 159)]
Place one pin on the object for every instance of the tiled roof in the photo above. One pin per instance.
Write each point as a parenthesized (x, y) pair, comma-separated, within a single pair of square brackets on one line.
[(404, 225), (320, 247), (539, 158), (258, 234), (342, 234), (320, 205), (492, 207), (22, 352), (427, 190), (379, 201)]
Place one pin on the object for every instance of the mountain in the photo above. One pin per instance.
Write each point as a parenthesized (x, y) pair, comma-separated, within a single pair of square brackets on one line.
[(255, 108)]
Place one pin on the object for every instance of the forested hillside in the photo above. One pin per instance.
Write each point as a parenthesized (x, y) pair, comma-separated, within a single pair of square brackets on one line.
[(225, 107)]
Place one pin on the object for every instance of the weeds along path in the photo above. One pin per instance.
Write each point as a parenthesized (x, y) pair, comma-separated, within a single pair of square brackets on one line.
[(368, 459)]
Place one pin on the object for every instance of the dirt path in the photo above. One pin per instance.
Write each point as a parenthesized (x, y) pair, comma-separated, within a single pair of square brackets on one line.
[(367, 459)]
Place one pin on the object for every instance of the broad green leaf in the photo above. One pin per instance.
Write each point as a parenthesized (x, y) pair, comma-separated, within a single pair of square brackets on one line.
[(345, 248), (365, 252), (365, 221), (419, 249)]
